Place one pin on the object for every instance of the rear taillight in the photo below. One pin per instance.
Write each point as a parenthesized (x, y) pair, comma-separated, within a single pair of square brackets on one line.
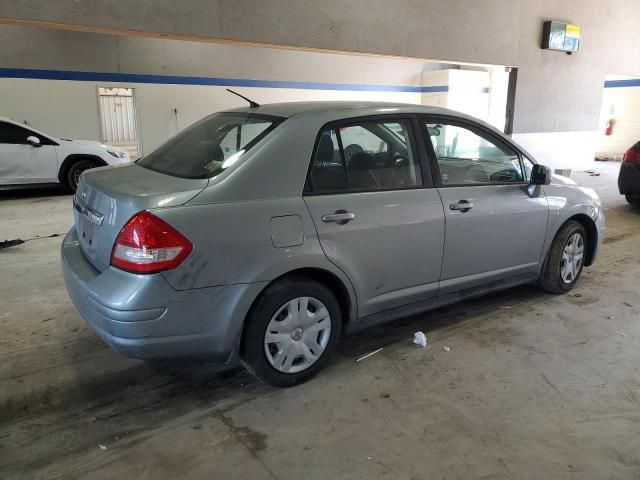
[(631, 156), (148, 244)]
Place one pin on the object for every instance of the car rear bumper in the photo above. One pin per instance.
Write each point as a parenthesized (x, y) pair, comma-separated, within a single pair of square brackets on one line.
[(142, 316), (629, 179)]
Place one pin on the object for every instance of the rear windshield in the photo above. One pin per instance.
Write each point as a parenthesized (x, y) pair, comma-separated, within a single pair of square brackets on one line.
[(209, 146)]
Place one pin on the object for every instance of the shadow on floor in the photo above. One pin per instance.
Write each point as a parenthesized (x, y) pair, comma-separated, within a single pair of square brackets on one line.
[(27, 193), (165, 384)]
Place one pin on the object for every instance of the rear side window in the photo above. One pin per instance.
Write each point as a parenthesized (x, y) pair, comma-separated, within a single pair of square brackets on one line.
[(13, 134), (368, 156), (208, 147)]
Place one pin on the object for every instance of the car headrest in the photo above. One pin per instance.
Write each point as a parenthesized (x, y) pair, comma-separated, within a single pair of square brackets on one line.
[(381, 158), (325, 150), (217, 155), (362, 161)]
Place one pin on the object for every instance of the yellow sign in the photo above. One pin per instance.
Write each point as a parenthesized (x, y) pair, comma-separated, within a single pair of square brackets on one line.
[(572, 31)]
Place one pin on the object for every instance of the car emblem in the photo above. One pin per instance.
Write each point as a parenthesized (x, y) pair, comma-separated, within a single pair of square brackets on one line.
[(89, 213), (84, 194)]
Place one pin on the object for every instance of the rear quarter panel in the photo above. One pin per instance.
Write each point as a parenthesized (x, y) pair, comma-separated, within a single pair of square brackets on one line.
[(233, 243)]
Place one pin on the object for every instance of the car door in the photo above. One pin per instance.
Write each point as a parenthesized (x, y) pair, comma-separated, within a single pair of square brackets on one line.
[(494, 228), (22, 162), (377, 215)]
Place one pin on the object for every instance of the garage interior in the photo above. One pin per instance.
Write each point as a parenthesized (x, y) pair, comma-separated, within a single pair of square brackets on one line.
[(517, 384)]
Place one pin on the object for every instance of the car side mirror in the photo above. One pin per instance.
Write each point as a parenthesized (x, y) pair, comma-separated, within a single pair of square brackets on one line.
[(33, 141), (540, 175)]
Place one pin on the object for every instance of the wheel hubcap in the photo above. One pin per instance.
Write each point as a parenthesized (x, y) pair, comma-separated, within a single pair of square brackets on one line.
[(572, 256), (297, 334)]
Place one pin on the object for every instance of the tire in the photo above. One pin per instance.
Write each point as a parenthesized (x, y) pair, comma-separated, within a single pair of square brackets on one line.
[(633, 200), (556, 276), (73, 174), (289, 360)]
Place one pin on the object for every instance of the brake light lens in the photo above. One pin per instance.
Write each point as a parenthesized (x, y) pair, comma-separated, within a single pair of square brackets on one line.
[(148, 244), (631, 156)]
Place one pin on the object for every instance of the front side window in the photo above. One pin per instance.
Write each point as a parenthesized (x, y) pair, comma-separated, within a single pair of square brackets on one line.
[(365, 157), (208, 147), (466, 157)]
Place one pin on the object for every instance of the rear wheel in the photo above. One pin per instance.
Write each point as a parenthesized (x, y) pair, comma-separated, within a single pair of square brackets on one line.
[(75, 170), (633, 200), (566, 258), (291, 331)]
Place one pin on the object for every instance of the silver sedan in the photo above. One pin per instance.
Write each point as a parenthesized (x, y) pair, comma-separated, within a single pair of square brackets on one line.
[(264, 233)]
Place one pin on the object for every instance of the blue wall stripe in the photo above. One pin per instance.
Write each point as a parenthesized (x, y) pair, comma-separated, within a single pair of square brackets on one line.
[(218, 82), (435, 89), (622, 83), (212, 81)]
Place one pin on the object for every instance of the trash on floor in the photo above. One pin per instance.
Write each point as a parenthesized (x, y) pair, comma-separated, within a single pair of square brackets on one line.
[(102, 447), (506, 307), (593, 173), (368, 355), (11, 243), (446, 349), (420, 339)]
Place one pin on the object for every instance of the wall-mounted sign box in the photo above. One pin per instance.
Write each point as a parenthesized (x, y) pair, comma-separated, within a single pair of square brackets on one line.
[(560, 36)]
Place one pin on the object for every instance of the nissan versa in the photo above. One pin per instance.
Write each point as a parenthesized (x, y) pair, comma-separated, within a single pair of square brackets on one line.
[(265, 232)]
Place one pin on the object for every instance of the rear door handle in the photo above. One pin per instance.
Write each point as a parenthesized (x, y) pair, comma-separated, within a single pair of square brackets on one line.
[(462, 206), (340, 217)]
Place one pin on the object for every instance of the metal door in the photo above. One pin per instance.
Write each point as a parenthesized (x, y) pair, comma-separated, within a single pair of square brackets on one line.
[(118, 121)]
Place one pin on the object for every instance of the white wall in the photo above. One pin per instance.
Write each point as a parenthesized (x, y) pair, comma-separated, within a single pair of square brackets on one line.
[(498, 88), (560, 150), (467, 93), (70, 108)]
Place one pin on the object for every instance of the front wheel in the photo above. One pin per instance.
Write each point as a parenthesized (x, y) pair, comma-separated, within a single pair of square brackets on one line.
[(291, 331), (566, 259), (633, 200), (73, 175)]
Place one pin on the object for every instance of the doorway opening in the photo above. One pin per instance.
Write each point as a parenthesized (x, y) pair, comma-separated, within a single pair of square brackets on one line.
[(486, 92), (118, 119), (619, 127)]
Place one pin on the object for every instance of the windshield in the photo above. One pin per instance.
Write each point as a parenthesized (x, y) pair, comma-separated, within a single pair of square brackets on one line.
[(209, 146)]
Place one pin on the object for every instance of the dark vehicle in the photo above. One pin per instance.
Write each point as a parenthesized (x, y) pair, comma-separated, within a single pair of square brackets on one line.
[(629, 176)]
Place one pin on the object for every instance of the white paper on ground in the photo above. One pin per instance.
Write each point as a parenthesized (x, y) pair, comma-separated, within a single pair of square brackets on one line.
[(420, 339)]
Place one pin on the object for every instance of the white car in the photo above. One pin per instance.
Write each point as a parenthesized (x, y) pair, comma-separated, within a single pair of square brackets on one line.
[(29, 157)]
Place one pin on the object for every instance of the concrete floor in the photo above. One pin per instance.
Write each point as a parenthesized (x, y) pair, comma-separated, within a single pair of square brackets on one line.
[(534, 386)]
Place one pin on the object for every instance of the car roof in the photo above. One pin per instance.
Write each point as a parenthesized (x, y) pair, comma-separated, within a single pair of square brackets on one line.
[(341, 108), (346, 109)]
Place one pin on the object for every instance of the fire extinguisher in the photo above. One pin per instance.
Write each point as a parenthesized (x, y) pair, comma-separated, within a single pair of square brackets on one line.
[(608, 128)]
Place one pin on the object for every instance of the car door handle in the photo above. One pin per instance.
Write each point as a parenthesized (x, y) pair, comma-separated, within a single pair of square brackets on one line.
[(462, 206), (340, 217)]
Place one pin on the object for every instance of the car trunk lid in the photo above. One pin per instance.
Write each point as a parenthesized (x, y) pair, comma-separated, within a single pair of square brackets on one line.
[(108, 197)]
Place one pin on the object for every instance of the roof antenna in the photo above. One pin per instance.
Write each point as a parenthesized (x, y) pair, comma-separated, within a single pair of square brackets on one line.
[(252, 104)]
